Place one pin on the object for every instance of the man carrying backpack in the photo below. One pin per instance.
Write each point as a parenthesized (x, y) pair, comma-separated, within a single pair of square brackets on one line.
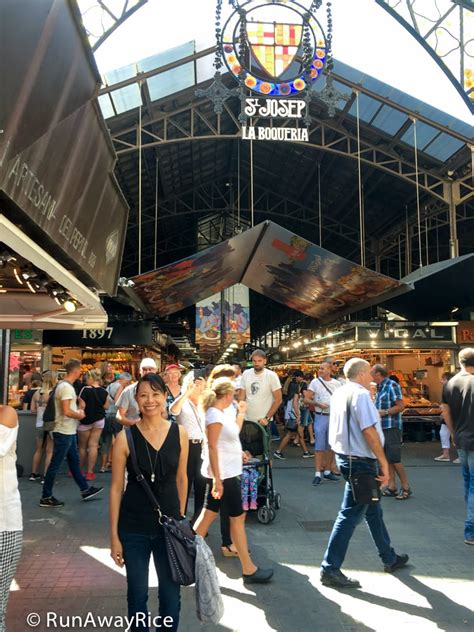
[(66, 415)]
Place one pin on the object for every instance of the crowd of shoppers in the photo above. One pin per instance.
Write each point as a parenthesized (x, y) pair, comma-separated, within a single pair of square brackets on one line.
[(186, 434)]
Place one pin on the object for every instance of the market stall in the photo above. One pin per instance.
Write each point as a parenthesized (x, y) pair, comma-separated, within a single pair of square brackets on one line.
[(121, 346)]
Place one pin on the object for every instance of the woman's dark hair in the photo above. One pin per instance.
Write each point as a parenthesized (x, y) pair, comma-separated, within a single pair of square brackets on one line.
[(156, 383)]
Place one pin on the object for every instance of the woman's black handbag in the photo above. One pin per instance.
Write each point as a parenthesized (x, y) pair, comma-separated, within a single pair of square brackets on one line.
[(180, 538), (364, 486)]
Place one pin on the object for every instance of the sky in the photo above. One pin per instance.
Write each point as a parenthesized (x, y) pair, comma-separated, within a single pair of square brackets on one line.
[(365, 37)]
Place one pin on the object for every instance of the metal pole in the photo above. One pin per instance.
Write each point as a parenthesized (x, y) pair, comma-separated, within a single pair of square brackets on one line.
[(140, 189), (453, 228), (251, 185), (156, 214), (5, 343), (319, 207)]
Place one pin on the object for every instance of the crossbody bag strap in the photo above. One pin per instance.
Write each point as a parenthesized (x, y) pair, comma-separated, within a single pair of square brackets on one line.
[(194, 409), (140, 478), (348, 418), (328, 389)]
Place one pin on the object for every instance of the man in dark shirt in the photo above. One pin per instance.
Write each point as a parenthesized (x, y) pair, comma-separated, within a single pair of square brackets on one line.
[(458, 413)]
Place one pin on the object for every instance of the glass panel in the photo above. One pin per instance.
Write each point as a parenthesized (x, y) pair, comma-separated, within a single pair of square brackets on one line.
[(105, 104), (389, 120)]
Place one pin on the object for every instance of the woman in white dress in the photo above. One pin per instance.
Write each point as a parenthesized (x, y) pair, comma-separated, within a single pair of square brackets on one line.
[(11, 522)]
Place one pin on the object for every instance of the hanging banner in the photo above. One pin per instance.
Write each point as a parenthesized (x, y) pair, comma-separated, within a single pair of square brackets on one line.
[(209, 324), (237, 315)]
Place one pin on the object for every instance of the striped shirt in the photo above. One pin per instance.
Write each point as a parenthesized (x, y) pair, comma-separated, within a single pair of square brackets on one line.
[(388, 392)]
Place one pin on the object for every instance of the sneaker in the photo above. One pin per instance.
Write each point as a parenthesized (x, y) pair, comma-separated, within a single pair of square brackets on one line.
[(399, 562), (276, 438), (91, 492), (245, 506), (330, 477), (279, 455), (34, 477), (261, 576), (442, 458), (307, 455), (317, 480), (457, 461), (51, 502), (469, 541), (90, 476), (337, 579), (253, 505)]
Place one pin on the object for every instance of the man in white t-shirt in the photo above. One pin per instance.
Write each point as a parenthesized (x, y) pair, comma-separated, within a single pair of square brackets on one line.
[(320, 392), (127, 407), (66, 418), (261, 389)]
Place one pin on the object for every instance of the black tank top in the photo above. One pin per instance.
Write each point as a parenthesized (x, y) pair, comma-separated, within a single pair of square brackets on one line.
[(136, 512)]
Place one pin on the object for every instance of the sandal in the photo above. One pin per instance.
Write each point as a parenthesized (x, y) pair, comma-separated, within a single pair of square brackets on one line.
[(403, 494), (389, 492), (227, 551)]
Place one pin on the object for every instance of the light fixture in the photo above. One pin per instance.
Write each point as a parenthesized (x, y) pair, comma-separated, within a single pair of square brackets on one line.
[(5, 258), (70, 305), (372, 334), (17, 276), (454, 310), (405, 335), (318, 336), (306, 341)]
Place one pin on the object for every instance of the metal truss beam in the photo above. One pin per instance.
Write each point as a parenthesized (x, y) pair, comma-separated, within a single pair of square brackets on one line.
[(105, 12), (181, 126), (267, 203), (445, 30)]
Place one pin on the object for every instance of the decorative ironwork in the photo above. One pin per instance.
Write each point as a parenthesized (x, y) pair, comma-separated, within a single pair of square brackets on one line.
[(218, 93), (272, 57), (445, 28), (101, 18), (331, 96)]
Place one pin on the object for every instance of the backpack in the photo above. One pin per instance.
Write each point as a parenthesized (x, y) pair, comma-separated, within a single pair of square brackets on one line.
[(49, 415), (209, 604)]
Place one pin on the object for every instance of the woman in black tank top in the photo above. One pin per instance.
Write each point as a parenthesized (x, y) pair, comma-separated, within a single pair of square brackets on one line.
[(162, 454)]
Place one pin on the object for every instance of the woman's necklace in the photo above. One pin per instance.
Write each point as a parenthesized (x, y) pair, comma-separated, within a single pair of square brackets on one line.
[(152, 466)]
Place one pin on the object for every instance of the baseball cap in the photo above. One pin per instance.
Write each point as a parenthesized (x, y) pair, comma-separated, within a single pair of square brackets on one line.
[(174, 366), (148, 362)]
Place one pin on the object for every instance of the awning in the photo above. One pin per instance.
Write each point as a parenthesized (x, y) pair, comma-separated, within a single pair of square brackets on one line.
[(39, 310), (275, 262), (438, 289)]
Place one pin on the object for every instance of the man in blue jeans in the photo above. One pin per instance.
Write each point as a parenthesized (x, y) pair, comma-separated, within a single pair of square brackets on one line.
[(67, 415), (458, 413), (358, 453)]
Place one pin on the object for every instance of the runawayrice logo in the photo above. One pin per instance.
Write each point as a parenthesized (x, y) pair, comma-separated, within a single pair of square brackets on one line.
[(111, 246)]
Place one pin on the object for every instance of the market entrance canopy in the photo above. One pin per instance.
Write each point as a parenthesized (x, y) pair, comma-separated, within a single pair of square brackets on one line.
[(276, 263)]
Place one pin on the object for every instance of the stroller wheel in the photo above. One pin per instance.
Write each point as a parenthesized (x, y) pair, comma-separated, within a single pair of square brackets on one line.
[(277, 501), (265, 514)]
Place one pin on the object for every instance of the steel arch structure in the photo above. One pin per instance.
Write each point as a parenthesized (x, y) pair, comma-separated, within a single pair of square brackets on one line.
[(428, 23)]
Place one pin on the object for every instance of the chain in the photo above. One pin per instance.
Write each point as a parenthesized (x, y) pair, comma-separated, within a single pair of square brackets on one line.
[(218, 63), (329, 57)]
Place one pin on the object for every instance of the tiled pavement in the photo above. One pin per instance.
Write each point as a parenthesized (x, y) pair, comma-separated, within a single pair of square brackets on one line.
[(66, 569)]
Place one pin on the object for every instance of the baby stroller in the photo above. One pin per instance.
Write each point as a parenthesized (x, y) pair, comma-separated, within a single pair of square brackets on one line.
[(254, 439)]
